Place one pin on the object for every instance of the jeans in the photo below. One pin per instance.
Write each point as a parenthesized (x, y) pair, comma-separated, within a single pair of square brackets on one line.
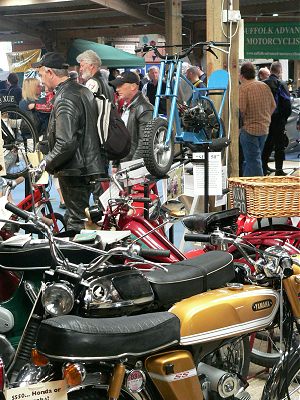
[(252, 149)]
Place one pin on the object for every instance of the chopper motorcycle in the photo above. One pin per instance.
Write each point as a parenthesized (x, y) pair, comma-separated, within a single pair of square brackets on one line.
[(194, 350)]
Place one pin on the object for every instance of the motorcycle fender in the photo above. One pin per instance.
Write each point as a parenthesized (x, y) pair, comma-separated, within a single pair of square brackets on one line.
[(226, 312), (175, 375)]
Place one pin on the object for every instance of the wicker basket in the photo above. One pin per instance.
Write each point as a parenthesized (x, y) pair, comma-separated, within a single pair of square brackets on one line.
[(266, 196)]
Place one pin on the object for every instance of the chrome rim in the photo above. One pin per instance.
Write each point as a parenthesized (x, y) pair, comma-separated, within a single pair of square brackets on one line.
[(162, 151)]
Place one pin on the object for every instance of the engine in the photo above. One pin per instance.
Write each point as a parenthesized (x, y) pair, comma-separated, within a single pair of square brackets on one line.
[(200, 117)]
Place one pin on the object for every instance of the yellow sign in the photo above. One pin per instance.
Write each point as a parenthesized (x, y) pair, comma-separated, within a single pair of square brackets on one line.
[(20, 61), (41, 391)]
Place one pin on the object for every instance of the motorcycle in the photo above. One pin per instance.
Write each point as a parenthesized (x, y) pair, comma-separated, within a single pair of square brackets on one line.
[(195, 349)]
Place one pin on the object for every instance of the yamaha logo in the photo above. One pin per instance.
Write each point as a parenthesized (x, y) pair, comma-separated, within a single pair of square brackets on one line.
[(262, 305)]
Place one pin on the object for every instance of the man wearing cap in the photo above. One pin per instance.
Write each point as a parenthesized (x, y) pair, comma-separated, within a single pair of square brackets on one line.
[(136, 111), (74, 147)]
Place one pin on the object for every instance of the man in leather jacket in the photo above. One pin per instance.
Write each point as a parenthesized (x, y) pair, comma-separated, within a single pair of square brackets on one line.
[(136, 112), (74, 147)]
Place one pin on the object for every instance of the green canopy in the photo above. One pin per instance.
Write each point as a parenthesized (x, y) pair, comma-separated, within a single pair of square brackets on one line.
[(110, 56)]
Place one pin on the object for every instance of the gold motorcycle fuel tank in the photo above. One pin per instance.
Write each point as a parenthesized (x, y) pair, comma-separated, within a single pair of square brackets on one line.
[(175, 375), (225, 312)]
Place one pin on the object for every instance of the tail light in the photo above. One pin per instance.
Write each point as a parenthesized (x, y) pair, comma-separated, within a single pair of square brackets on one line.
[(74, 374), (38, 359), (2, 376)]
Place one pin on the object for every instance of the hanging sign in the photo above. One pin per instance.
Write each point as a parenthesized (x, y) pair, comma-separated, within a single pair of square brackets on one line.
[(276, 40)]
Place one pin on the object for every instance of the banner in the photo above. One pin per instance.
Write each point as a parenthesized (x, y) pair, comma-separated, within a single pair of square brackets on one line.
[(20, 61), (277, 40)]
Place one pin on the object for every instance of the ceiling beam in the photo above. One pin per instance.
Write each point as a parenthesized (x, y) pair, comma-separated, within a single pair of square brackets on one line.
[(13, 25), (91, 23), (133, 9), (14, 3), (111, 32), (266, 8)]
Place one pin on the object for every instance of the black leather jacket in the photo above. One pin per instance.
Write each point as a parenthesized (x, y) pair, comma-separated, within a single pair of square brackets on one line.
[(74, 145), (140, 113)]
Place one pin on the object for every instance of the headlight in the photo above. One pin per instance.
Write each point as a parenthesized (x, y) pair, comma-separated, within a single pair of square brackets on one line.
[(58, 299)]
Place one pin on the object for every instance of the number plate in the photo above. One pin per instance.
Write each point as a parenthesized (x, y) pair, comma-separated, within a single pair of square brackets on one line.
[(56, 390)]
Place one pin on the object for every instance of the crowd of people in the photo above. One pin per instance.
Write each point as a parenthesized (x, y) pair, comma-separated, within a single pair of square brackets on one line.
[(66, 118), (262, 122)]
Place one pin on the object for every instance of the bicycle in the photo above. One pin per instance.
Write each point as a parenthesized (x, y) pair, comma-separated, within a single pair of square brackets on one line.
[(39, 201), (19, 138), (197, 121)]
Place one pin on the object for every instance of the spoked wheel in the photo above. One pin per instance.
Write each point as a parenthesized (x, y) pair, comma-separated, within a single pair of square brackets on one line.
[(284, 380), (232, 357), (158, 156), (19, 139), (266, 347)]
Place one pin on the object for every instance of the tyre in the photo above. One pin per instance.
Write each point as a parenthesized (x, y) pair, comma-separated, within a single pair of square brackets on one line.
[(284, 380), (20, 138), (266, 347), (158, 156)]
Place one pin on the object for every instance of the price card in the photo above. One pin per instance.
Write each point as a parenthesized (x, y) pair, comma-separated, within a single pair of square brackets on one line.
[(56, 390)]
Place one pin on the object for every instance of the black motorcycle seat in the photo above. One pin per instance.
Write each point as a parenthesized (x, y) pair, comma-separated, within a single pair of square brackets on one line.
[(192, 276), (71, 337), (208, 222), (32, 256)]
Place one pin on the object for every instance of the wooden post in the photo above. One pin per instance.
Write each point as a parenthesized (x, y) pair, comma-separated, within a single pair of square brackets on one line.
[(214, 33), (173, 24)]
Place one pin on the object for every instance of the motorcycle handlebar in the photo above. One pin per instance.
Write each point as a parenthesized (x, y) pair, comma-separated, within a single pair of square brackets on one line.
[(154, 253), (17, 211), (141, 199), (185, 53), (197, 237)]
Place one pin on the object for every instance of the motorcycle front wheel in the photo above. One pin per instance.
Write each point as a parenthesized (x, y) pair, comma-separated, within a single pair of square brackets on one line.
[(284, 380), (158, 156)]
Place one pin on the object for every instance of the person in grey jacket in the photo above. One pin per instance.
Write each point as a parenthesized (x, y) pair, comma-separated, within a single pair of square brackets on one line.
[(136, 111), (74, 146)]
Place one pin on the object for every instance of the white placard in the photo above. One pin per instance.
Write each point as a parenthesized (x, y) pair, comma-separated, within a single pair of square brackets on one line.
[(56, 390), (222, 199), (214, 172), (111, 193), (2, 161), (136, 176)]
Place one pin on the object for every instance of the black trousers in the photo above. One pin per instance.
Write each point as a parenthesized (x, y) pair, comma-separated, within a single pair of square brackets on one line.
[(76, 191), (275, 141)]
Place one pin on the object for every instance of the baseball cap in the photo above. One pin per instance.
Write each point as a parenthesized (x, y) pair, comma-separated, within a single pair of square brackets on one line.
[(51, 60), (127, 77)]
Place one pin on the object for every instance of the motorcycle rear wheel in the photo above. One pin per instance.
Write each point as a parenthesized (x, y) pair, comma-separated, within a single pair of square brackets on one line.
[(158, 157)]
